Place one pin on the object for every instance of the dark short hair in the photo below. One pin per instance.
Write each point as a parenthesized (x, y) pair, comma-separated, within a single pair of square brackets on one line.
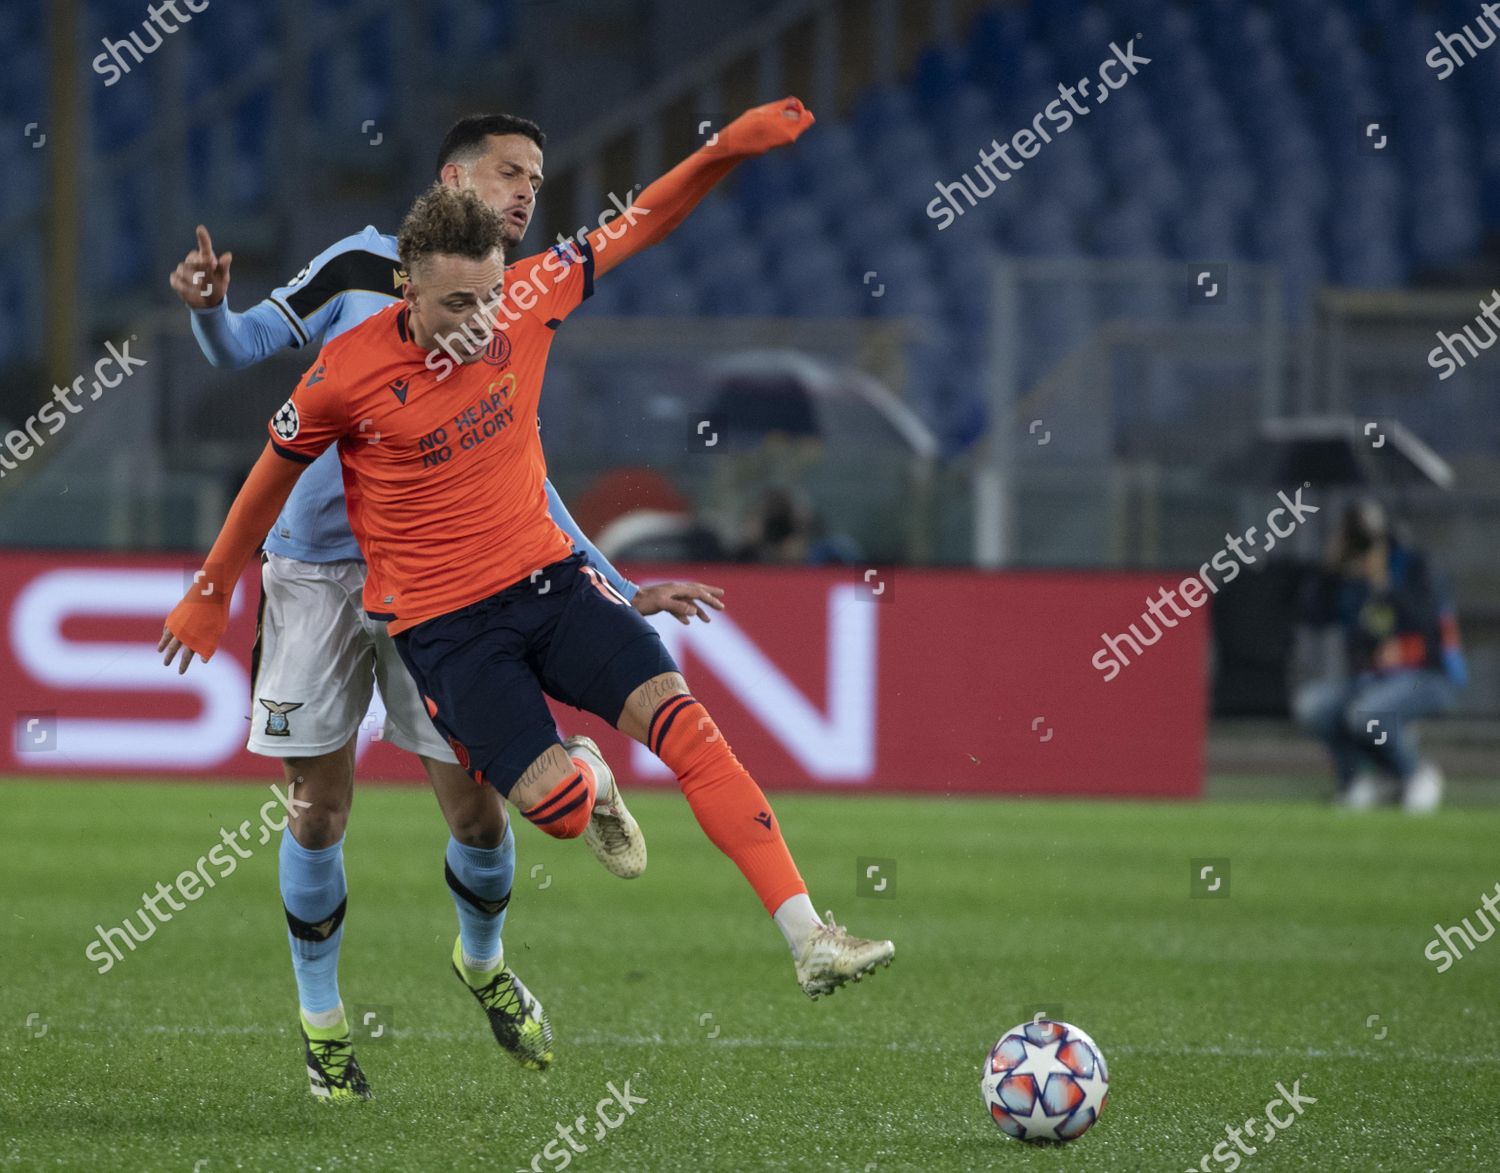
[(447, 222), (465, 141)]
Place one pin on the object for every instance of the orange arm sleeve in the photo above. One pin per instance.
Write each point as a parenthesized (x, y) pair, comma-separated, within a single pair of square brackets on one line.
[(666, 202), (200, 619)]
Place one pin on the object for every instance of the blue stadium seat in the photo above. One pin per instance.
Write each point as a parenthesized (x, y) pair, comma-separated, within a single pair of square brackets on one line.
[(733, 282), (967, 121), (816, 285), (714, 225), (786, 256), (880, 110), (764, 181), (671, 298), (1035, 76), (1129, 229), (1208, 231), (996, 41), (1048, 230), (794, 223), (609, 296), (867, 230), (904, 280), (938, 75), (838, 150)]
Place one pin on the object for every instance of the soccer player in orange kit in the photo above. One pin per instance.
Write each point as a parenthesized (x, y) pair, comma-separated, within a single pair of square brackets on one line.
[(489, 607)]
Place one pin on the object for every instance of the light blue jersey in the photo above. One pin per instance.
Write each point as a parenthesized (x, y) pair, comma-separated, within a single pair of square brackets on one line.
[(341, 287)]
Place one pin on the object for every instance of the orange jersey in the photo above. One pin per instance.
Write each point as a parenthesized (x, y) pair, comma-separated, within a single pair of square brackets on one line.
[(443, 467)]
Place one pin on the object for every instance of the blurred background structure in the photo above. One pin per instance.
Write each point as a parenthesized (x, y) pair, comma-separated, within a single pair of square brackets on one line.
[(1087, 369)]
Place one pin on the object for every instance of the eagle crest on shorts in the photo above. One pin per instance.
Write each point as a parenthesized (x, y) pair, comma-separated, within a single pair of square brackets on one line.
[(276, 723)]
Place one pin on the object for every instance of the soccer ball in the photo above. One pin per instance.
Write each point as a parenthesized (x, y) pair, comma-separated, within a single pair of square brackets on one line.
[(1045, 1080)]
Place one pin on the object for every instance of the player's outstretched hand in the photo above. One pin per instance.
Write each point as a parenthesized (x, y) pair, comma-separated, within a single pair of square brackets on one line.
[(171, 645), (683, 600), (195, 625), (761, 128), (202, 279)]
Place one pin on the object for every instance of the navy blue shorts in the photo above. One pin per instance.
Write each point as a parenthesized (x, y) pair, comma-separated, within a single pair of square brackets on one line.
[(484, 668)]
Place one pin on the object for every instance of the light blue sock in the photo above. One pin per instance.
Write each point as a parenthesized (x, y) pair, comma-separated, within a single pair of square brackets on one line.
[(480, 879), (314, 894)]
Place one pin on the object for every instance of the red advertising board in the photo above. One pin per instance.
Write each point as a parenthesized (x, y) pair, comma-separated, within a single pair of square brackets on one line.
[(830, 679)]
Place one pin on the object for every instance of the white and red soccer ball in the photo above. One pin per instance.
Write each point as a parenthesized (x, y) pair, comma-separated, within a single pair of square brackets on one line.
[(1045, 1080)]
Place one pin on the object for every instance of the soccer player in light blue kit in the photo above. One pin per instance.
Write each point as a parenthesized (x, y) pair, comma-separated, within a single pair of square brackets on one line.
[(318, 655)]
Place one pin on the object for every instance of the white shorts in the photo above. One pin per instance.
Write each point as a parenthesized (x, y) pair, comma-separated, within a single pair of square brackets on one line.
[(318, 658)]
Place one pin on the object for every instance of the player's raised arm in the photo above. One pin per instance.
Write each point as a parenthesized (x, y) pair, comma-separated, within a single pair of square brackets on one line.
[(293, 315), (197, 623), (202, 279), (228, 340), (666, 202)]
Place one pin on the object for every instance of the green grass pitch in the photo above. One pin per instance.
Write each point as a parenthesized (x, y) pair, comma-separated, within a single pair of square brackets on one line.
[(185, 1055)]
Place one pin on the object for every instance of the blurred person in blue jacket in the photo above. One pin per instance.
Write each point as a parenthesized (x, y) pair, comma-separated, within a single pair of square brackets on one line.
[(1403, 662)]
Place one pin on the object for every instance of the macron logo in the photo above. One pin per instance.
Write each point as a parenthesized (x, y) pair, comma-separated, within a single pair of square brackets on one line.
[(398, 389)]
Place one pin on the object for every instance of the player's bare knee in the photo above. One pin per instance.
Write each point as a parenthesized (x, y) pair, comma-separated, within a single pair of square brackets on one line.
[(474, 811), (480, 820), (326, 784)]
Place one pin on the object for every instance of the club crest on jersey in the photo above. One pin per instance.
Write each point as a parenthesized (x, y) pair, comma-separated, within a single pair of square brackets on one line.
[(497, 353), (285, 423), (277, 724)]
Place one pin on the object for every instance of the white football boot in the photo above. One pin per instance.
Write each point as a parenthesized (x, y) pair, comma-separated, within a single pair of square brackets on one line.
[(831, 957), (1364, 792), (613, 835), (1424, 792)]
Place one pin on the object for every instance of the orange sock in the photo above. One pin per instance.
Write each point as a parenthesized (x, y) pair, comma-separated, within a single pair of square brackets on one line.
[(565, 812), (727, 803)]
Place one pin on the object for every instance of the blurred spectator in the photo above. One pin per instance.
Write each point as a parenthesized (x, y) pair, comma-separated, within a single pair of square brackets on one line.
[(784, 528), (1403, 662)]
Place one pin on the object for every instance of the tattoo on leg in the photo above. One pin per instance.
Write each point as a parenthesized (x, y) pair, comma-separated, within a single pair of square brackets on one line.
[(538, 769), (660, 688)]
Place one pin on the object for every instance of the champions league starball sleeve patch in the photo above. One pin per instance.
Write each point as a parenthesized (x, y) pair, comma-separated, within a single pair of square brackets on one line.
[(286, 423)]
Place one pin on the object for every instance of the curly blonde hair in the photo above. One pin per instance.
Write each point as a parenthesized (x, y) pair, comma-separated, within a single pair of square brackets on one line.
[(446, 221)]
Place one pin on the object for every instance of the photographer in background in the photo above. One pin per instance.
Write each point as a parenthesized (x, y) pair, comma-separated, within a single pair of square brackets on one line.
[(1403, 662)]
